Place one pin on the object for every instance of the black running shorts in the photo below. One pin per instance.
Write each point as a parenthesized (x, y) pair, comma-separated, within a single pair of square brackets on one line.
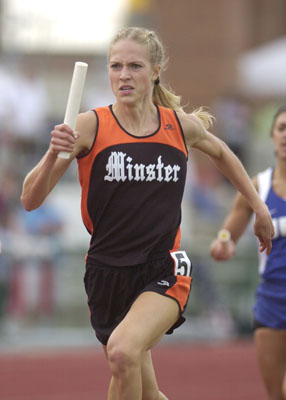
[(112, 290)]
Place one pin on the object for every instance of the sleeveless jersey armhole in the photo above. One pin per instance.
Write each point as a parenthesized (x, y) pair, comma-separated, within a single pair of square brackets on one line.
[(95, 136), (182, 133), (264, 180)]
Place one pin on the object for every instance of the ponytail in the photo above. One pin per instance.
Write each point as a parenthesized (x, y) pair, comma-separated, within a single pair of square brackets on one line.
[(166, 98), (204, 116)]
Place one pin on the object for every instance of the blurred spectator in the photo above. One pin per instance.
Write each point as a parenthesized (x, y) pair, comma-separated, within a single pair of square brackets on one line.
[(9, 195), (23, 113), (23, 101), (233, 120), (29, 256), (6, 114), (30, 105), (202, 208), (203, 187), (6, 98), (32, 286), (213, 307), (98, 94)]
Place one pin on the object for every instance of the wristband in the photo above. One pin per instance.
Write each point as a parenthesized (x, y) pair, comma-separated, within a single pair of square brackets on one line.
[(224, 235)]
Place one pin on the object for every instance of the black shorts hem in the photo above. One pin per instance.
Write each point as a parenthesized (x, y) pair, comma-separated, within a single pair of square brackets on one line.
[(112, 291), (179, 321)]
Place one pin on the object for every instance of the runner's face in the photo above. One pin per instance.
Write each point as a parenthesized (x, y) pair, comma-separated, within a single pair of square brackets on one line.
[(279, 136), (130, 71)]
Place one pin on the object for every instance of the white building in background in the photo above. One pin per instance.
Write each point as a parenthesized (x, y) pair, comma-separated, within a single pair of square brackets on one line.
[(60, 26), (262, 71)]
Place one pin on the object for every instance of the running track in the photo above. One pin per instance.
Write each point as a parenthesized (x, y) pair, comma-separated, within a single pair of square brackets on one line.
[(193, 371)]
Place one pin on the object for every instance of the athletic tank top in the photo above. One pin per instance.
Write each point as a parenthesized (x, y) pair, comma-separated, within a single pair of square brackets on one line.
[(132, 189), (273, 266)]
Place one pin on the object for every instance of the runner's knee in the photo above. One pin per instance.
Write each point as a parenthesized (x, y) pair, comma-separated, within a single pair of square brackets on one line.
[(122, 357)]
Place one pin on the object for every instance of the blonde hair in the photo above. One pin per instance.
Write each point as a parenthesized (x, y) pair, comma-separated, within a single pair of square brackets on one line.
[(162, 95), (205, 117)]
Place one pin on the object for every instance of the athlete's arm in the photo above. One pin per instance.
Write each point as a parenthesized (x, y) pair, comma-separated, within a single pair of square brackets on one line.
[(226, 161), (236, 223), (41, 180)]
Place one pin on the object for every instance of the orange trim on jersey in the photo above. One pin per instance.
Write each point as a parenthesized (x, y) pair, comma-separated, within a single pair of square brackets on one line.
[(177, 241), (84, 171), (181, 290), (110, 133)]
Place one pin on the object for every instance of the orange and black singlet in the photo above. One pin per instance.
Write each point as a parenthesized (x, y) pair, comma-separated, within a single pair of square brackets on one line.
[(132, 189)]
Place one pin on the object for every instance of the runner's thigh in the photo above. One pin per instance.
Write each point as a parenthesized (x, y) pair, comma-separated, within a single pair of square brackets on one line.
[(148, 319), (271, 352)]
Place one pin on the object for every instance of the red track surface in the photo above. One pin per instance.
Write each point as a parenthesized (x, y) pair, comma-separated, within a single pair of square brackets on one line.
[(185, 372)]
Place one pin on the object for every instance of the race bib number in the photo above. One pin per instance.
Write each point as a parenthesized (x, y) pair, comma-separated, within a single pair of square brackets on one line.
[(183, 265)]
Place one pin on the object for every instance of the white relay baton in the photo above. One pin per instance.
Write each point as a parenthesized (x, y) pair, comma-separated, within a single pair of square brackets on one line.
[(74, 99)]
